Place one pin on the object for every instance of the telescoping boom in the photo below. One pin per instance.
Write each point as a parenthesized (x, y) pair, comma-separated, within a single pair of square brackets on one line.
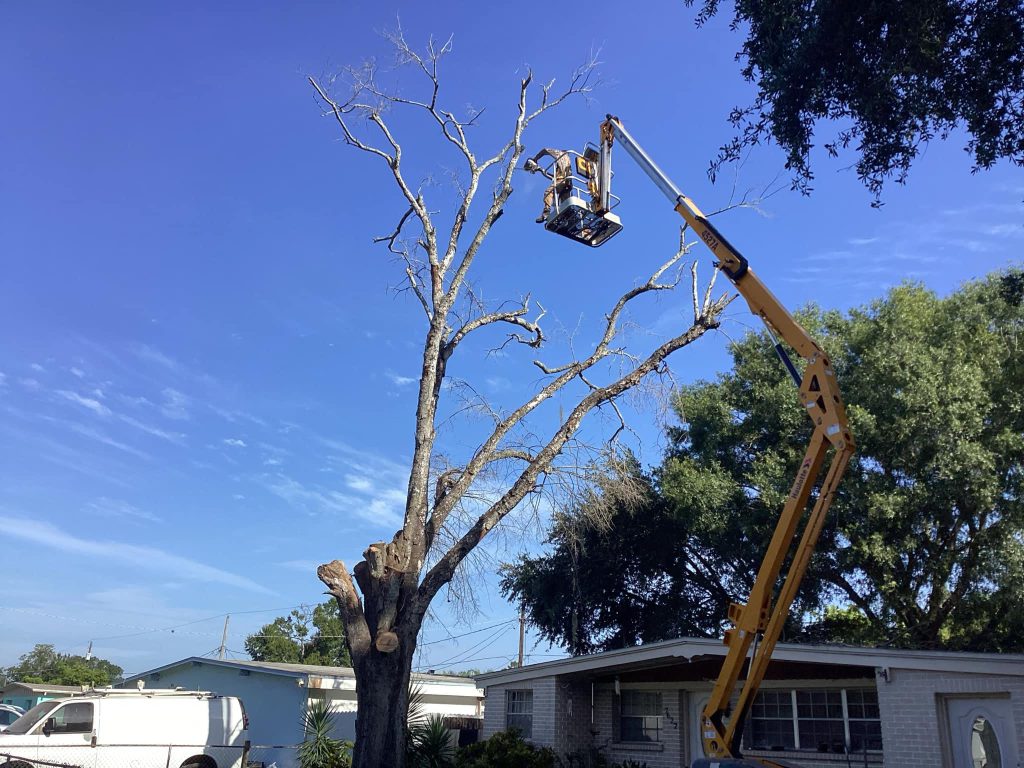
[(758, 623)]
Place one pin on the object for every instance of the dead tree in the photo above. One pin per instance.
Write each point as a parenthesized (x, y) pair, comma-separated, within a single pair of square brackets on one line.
[(386, 596)]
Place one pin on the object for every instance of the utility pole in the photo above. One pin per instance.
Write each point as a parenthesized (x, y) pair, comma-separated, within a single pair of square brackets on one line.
[(224, 637), (522, 633)]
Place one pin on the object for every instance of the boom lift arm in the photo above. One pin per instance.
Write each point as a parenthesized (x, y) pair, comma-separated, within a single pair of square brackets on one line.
[(819, 393)]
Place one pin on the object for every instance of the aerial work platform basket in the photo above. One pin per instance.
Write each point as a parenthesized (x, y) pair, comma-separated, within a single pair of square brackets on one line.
[(577, 212), (574, 218)]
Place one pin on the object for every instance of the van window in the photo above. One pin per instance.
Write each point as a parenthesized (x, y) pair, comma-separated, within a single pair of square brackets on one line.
[(38, 713), (75, 717)]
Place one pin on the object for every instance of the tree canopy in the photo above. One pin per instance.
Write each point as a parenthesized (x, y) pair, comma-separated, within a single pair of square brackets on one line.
[(43, 664), (924, 544), (308, 635), (891, 75)]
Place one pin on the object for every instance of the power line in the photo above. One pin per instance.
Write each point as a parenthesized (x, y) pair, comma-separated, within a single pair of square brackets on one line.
[(467, 634), (456, 657), (190, 623)]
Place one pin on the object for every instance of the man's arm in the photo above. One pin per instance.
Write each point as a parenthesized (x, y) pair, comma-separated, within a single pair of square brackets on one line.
[(531, 165)]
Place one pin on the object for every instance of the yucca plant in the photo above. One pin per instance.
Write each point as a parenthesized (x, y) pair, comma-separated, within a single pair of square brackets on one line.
[(431, 744), (320, 749)]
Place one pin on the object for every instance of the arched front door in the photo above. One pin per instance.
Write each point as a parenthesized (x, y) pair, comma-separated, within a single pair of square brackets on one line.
[(982, 734)]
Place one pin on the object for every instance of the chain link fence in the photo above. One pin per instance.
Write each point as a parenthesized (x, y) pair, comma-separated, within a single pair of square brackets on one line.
[(127, 756)]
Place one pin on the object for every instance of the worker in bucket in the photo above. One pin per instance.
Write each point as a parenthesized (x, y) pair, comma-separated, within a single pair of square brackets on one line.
[(561, 180)]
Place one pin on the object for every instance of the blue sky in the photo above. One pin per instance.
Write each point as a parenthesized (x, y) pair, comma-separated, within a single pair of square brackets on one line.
[(206, 381)]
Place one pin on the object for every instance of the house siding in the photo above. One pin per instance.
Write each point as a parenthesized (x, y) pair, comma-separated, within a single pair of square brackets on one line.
[(913, 715)]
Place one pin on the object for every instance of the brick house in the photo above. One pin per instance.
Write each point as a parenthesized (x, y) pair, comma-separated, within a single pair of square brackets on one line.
[(820, 706)]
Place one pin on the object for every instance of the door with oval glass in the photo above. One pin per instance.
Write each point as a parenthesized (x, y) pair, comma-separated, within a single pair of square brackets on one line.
[(982, 734)]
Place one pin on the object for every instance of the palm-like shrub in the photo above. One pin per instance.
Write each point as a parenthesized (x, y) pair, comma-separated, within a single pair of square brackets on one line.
[(431, 744), (320, 749)]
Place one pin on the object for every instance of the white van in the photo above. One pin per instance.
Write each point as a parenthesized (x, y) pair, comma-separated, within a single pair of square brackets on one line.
[(105, 728)]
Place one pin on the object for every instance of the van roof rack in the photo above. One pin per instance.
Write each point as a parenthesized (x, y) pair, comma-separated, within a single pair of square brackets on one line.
[(179, 691)]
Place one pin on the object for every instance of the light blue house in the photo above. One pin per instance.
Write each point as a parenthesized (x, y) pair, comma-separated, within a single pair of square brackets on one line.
[(27, 695), (275, 697)]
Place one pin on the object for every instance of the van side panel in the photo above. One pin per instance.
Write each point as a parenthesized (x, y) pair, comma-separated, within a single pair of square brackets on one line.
[(275, 703)]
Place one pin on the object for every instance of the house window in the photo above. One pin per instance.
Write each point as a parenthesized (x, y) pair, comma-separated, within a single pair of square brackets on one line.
[(865, 720), (815, 720), (820, 720), (519, 712), (640, 718), (771, 721)]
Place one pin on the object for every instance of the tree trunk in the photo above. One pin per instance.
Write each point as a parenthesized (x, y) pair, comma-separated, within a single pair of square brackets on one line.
[(382, 685)]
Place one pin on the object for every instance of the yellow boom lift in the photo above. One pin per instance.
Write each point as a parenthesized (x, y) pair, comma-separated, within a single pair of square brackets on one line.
[(758, 623)]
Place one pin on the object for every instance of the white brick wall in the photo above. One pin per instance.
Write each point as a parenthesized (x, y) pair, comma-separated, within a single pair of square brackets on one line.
[(913, 712)]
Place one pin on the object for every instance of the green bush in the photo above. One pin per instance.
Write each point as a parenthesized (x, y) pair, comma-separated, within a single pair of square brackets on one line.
[(506, 750)]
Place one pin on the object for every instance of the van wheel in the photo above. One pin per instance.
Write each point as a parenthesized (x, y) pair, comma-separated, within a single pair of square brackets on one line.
[(198, 761), (16, 765)]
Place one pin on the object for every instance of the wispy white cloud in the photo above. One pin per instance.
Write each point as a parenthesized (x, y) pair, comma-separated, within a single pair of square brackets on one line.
[(175, 404), (172, 437), (37, 368), (150, 354), (105, 507), (234, 442), (863, 240), (358, 483), (382, 508), (135, 401), (497, 383), (400, 381), (142, 557), (100, 437), (86, 402), (32, 385), (77, 372), (235, 415), (3, 379), (1014, 229)]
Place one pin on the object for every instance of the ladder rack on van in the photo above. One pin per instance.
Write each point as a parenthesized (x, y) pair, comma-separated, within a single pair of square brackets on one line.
[(179, 691)]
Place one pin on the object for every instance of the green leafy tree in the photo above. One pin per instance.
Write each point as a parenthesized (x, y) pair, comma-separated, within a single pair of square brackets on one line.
[(44, 664), (308, 635), (923, 547), (890, 75), (625, 580)]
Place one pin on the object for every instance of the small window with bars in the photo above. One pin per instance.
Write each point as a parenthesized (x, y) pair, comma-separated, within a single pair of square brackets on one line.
[(519, 712), (640, 716)]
